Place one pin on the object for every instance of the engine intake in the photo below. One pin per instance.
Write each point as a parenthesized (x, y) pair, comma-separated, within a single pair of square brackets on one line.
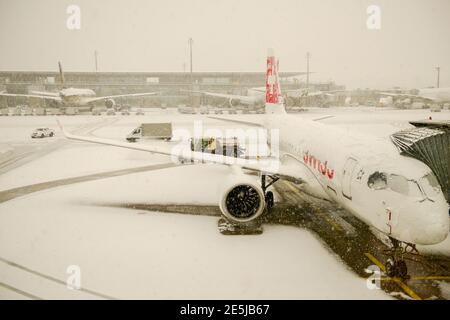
[(110, 103), (234, 102), (243, 202)]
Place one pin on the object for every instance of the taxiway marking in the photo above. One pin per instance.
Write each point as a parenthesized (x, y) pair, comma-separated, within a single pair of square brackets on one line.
[(42, 275), (419, 278), (21, 191), (23, 293), (399, 282)]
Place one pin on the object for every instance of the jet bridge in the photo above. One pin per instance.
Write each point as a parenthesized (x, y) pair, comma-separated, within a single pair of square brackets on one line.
[(428, 142)]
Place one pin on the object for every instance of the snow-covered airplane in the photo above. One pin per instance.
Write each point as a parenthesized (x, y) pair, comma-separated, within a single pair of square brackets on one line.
[(434, 95), (75, 97), (397, 195), (256, 96)]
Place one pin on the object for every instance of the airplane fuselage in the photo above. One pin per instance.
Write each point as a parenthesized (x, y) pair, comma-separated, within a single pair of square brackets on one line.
[(367, 176), (76, 96)]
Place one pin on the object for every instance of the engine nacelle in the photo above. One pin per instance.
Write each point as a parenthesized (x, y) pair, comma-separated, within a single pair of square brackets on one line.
[(234, 102), (110, 103), (242, 200)]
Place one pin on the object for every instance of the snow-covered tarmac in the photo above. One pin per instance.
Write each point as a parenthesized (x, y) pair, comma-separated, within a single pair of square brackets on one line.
[(125, 253)]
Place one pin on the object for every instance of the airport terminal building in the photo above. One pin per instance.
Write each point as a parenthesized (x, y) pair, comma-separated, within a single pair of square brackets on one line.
[(172, 87)]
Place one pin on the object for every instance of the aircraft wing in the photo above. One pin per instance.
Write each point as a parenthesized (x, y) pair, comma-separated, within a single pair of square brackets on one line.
[(259, 89), (266, 165), (55, 98), (254, 123), (225, 95), (306, 93), (315, 93), (407, 95), (45, 93), (258, 122), (121, 96)]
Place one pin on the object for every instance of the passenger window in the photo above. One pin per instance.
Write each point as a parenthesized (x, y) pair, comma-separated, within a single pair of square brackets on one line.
[(377, 181)]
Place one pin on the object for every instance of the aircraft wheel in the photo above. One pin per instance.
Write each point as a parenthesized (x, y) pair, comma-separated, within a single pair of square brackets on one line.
[(391, 269), (402, 269), (269, 199)]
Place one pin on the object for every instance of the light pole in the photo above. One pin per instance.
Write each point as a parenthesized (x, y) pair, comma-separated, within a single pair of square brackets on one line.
[(438, 74), (308, 55), (190, 41), (191, 80), (96, 60)]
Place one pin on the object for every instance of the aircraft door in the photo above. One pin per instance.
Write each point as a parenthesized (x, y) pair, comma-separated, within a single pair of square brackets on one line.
[(347, 175)]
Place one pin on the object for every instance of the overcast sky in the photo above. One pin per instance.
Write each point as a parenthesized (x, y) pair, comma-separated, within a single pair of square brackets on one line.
[(233, 35)]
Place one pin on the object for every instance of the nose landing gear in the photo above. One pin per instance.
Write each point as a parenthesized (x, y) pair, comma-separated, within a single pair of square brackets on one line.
[(396, 265)]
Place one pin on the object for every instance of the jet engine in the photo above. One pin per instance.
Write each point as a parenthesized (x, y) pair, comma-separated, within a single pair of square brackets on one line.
[(242, 200), (110, 103), (234, 102)]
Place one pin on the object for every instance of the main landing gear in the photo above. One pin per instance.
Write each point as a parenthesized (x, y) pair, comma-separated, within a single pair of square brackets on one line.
[(266, 182), (396, 265)]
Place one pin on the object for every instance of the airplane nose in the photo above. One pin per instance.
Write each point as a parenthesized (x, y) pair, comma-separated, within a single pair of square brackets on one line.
[(437, 232), (436, 228), (425, 223)]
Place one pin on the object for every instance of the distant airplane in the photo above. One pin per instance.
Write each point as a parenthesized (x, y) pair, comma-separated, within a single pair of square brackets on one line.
[(75, 97), (433, 95), (255, 96), (397, 195)]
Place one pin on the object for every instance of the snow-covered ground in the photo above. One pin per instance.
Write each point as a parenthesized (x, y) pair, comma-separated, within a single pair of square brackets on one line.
[(128, 254), (125, 254)]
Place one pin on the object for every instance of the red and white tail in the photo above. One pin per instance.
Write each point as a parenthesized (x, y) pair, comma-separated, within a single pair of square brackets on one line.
[(274, 100)]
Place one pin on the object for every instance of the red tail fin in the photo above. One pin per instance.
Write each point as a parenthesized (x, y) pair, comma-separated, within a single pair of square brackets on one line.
[(272, 84)]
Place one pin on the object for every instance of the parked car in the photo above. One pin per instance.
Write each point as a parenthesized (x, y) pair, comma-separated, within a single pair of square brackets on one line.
[(139, 112), (110, 112), (42, 133)]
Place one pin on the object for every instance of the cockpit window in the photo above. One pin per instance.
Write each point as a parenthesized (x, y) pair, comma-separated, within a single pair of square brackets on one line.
[(402, 185), (395, 182), (398, 184), (377, 181), (430, 185)]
